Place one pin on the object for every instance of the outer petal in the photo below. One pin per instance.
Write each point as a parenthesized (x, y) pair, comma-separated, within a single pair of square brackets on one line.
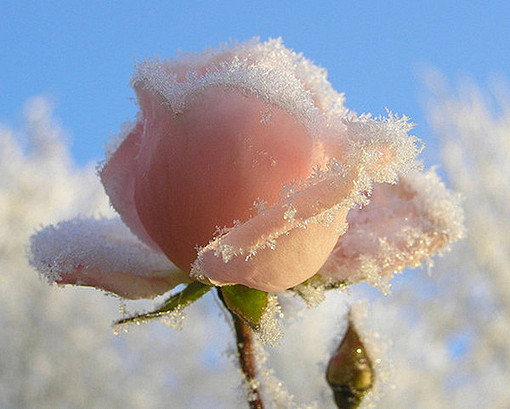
[(284, 245), (103, 254), (206, 167), (118, 178), (251, 256), (404, 224)]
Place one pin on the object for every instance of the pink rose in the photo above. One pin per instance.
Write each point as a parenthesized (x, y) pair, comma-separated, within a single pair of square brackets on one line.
[(244, 167)]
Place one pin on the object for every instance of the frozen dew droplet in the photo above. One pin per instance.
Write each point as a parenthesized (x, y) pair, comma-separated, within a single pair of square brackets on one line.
[(260, 205), (290, 212)]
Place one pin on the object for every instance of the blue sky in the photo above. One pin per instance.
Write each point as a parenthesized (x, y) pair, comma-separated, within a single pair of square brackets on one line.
[(80, 54)]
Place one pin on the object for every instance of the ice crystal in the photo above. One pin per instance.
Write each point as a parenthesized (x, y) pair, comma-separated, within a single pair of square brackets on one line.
[(260, 205), (269, 331)]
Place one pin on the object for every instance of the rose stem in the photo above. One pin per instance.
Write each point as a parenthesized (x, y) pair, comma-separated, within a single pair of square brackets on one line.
[(244, 341), (244, 337)]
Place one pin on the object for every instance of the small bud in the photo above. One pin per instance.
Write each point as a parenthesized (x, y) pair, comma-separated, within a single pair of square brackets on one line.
[(350, 374)]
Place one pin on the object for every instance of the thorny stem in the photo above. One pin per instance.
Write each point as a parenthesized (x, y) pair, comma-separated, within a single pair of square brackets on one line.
[(244, 342)]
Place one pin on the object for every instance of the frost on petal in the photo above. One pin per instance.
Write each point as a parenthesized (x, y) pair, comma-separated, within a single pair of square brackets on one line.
[(268, 265), (270, 55), (269, 71), (104, 254), (380, 149), (367, 151), (403, 225), (118, 177)]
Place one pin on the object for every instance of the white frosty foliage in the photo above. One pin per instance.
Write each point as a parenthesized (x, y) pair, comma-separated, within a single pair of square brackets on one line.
[(104, 245), (474, 126), (450, 331), (273, 390)]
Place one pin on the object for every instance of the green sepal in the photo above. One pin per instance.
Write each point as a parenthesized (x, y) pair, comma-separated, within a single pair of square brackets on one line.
[(247, 303), (180, 300)]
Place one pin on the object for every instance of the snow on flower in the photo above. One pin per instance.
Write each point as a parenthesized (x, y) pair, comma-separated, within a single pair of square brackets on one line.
[(244, 167)]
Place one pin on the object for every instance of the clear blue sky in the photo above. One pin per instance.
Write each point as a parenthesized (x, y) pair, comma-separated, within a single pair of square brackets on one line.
[(80, 53)]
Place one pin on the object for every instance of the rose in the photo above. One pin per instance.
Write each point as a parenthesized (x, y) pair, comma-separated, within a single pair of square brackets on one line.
[(243, 167)]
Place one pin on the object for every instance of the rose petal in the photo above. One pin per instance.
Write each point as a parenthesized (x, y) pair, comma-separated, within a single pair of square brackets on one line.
[(103, 254), (118, 178), (248, 256), (207, 166), (284, 245), (404, 224)]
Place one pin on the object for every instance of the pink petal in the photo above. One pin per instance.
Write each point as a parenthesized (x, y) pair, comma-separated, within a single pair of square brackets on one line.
[(102, 254), (404, 224), (284, 245), (206, 167), (118, 178), (270, 252)]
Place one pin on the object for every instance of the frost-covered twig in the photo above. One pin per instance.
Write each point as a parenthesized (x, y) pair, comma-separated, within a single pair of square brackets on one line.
[(244, 340)]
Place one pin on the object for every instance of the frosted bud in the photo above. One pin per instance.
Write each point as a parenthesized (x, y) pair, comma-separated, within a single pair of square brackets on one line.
[(350, 373)]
